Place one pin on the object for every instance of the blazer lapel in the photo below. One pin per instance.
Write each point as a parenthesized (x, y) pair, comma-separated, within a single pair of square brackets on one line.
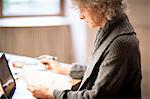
[(123, 29)]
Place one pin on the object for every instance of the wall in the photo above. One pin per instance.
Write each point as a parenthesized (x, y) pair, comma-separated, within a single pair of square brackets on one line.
[(78, 31), (36, 41)]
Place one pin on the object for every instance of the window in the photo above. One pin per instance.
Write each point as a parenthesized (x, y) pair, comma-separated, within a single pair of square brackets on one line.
[(31, 7)]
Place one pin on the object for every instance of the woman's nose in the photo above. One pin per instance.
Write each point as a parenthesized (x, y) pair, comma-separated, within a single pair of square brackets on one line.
[(81, 16)]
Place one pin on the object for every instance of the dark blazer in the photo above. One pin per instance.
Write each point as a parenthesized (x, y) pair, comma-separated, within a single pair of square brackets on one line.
[(114, 68)]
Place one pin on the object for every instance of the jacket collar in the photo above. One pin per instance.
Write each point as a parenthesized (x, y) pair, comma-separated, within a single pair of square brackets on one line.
[(122, 25)]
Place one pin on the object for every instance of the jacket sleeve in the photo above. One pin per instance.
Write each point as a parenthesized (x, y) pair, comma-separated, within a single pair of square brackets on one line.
[(77, 71)]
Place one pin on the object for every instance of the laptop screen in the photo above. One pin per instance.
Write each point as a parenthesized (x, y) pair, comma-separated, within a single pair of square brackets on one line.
[(6, 77)]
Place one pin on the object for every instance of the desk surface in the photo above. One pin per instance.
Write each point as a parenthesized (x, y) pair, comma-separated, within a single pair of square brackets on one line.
[(1, 91), (33, 74)]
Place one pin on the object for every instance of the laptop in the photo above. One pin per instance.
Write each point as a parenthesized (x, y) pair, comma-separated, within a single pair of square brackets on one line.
[(7, 80)]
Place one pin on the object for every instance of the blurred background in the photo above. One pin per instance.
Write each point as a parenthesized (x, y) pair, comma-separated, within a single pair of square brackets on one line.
[(37, 27)]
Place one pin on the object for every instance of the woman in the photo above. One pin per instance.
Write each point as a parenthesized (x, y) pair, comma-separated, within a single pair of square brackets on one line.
[(114, 69)]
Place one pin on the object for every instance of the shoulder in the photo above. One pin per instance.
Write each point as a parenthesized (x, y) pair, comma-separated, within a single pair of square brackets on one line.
[(125, 41), (123, 45)]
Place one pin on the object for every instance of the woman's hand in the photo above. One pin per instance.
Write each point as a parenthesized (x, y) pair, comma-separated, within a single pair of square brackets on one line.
[(40, 92), (46, 63), (51, 63)]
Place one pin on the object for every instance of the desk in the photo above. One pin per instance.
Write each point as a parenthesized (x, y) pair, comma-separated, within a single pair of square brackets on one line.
[(34, 74), (1, 91)]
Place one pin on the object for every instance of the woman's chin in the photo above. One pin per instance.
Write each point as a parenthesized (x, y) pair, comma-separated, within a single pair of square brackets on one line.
[(93, 26)]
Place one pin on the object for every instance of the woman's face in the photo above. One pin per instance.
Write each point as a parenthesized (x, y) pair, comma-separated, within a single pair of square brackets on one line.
[(91, 17)]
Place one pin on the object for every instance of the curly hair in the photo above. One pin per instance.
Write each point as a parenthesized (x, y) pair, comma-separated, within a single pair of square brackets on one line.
[(113, 8)]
